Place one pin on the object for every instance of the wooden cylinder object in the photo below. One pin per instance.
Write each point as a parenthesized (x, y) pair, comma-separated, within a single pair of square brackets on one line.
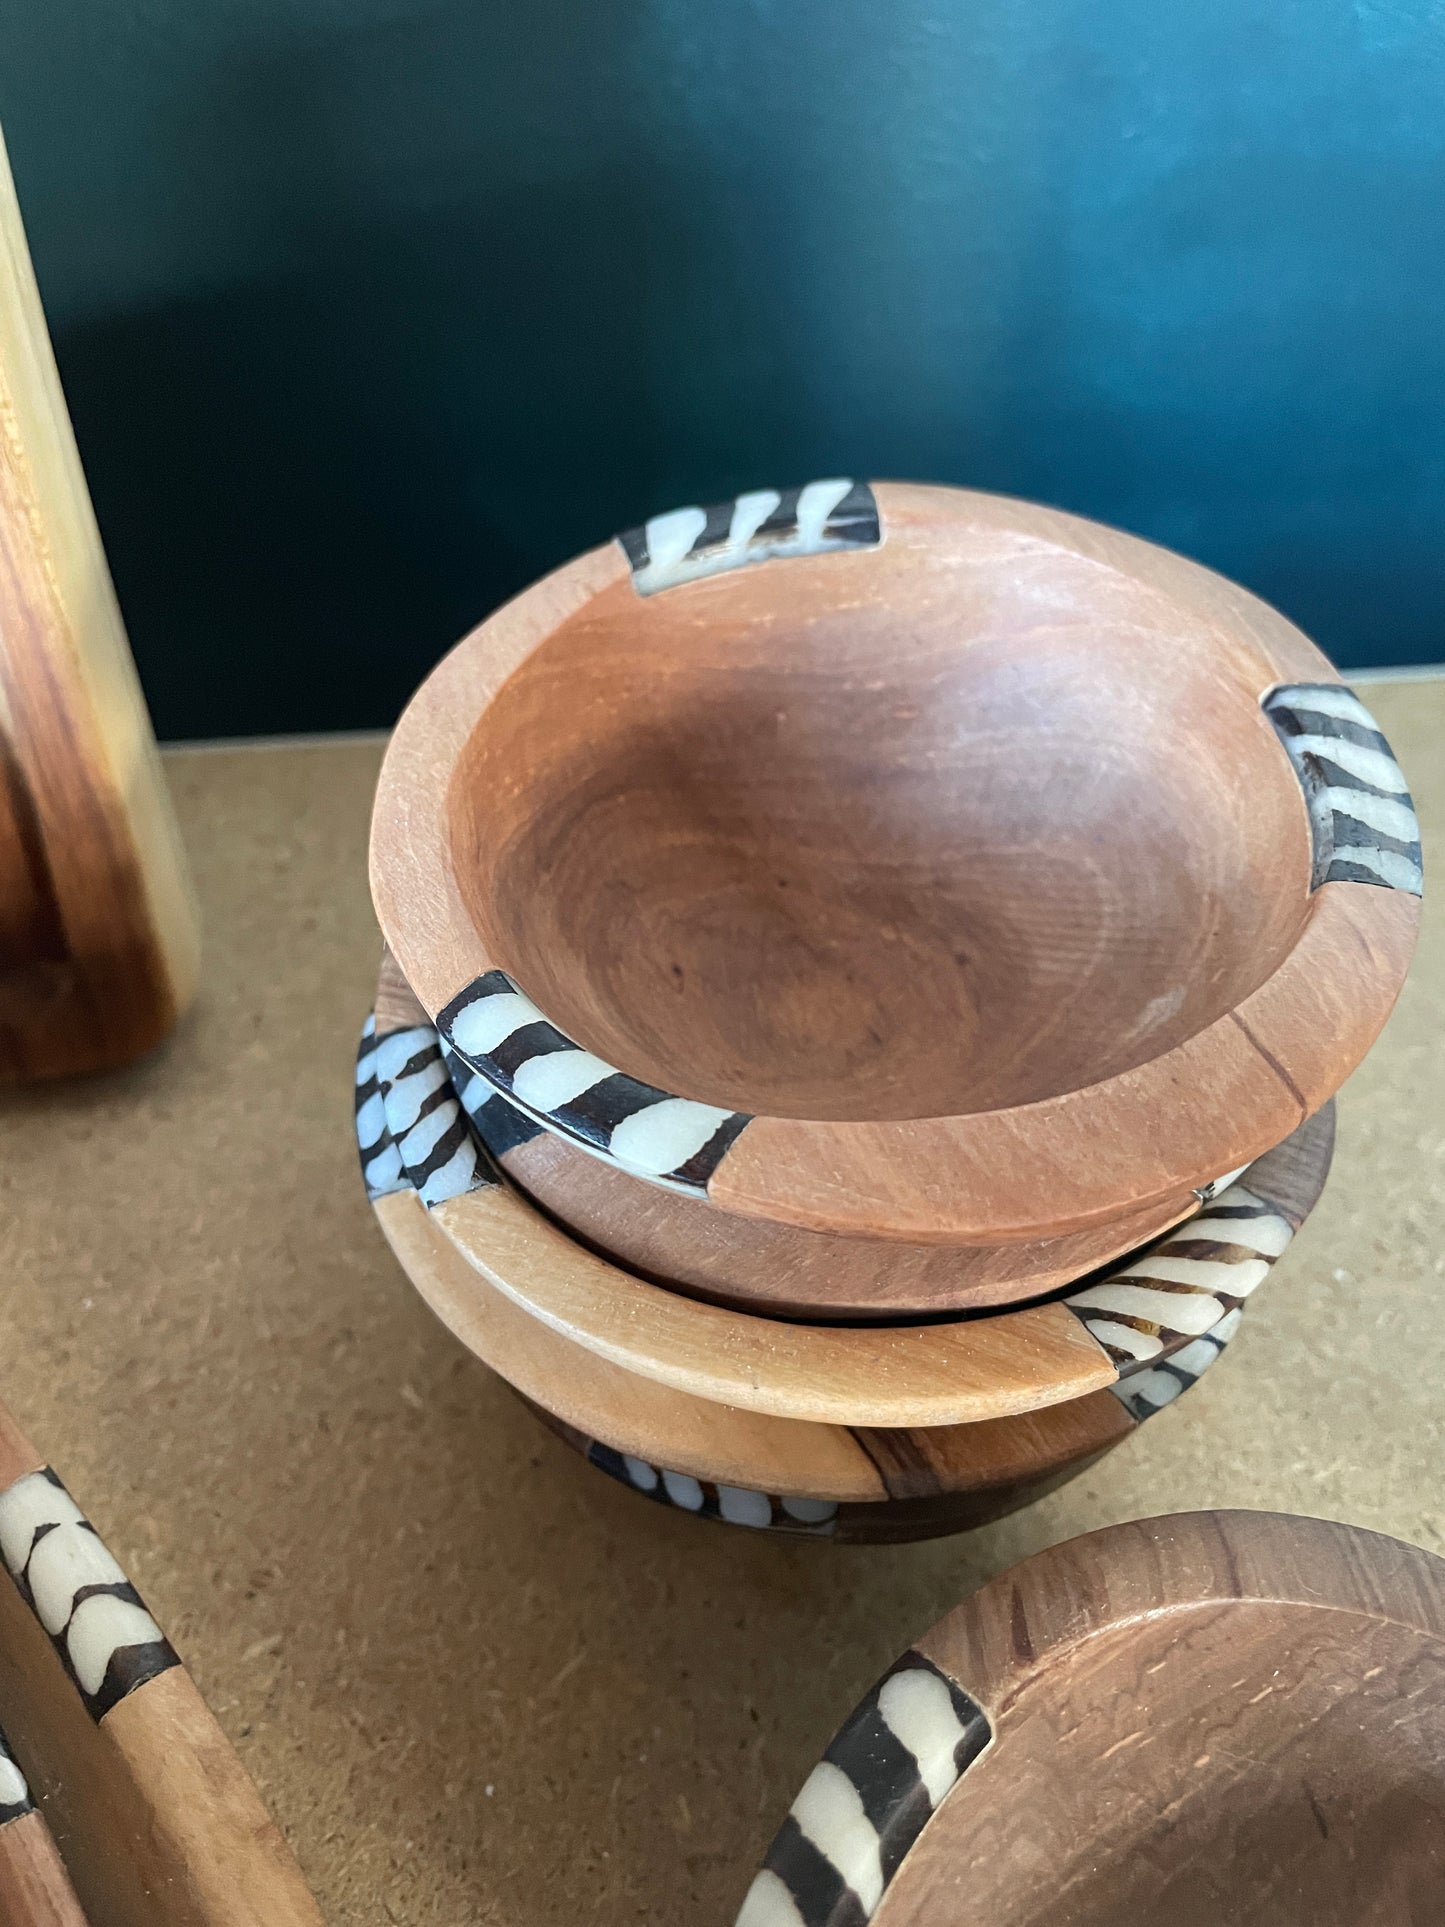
[(98, 934), (158, 1821)]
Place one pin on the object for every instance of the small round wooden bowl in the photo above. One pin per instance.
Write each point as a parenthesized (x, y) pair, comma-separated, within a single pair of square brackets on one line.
[(1214, 1719), (753, 1264), (936, 1481), (755, 1469), (901, 863), (416, 1139), (758, 1264)]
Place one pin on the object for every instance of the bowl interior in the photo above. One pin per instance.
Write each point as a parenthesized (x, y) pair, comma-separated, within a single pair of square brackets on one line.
[(934, 829), (1263, 1764)]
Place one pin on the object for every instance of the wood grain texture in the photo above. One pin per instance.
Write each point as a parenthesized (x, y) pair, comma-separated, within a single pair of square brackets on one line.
[(158, 1822), (35, 1890), (412, 1138), (1219, 1718), (900, 1375), (631, 1413), (771, 887), (593, 1400), (677, 1240), (933, 1515), (761, 1265), (98, 937)]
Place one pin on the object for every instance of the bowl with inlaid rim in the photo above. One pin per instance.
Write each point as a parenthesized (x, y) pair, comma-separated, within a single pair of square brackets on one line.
[(420, 1154), (899, 861), (1220, 1717)]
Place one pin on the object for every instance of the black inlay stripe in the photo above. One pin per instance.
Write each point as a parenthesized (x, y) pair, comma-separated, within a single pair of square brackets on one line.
[(419, 1063), (634, 547), (130, 1667), (1298, 719), (599, 1110), (1211, 1250), (885, 1774), (821, 1895), (704, 1161), (539, 1039), (457, 1133), (1353, 832), (1340, 778), (500, 1125), (856, 518), (783, 520), (716, 529)]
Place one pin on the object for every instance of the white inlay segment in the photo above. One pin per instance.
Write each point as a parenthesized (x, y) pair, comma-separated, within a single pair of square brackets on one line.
[(917, 1708), (663, 1137), (829, 1810), (769, 1904)]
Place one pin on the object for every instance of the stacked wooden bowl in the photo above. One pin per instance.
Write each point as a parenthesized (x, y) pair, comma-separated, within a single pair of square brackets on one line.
[(867, 973)]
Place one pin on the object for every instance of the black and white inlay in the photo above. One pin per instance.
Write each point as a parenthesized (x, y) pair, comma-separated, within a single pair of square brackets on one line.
[(735, 1505), (14, 1793), (1185, 1284), (1142, 1394), (1361, 816), (499, 1033), (380, 1160), (687, 543), (864, 1805), (436, 1149), (95, 1618)]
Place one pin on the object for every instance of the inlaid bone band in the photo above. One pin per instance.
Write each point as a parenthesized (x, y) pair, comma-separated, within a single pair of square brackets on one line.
[(96, 1620), (1361, 816), (1139, 1312), (1142, 1396), (500, 1034), (865, 1803), (684, 544)]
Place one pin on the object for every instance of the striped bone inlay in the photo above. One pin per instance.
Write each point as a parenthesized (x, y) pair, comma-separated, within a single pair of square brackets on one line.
[(735, 1505), (500, 1034), (411, 1132), (14, 1793), (381, 1170), (96, 1619), (864, 1805), (1144, 1393), (1361, 816), (1184, 1285), (685, 544)]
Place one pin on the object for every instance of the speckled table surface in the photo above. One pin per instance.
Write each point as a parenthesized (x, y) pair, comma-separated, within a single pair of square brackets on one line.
[(475, 1680)]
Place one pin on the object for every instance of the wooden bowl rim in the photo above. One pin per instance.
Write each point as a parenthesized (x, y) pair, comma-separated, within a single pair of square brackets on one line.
[(675, 1432), (943, 1373), (978, 1660), (1090, 1154)]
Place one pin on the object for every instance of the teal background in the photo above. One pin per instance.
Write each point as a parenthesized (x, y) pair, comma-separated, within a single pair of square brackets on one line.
[(371, 310)]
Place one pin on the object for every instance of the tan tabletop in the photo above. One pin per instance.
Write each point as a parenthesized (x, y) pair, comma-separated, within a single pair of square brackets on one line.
[(475, 1680)]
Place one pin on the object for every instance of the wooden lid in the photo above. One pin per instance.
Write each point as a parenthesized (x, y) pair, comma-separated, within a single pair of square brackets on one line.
[(965, 872), (1216, 1718)]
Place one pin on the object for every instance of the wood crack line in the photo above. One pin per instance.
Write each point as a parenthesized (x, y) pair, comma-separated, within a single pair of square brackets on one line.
[(1279, 1070)]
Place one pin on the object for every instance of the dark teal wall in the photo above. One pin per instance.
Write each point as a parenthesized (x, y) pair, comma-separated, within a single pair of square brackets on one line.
[(370, 310)]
